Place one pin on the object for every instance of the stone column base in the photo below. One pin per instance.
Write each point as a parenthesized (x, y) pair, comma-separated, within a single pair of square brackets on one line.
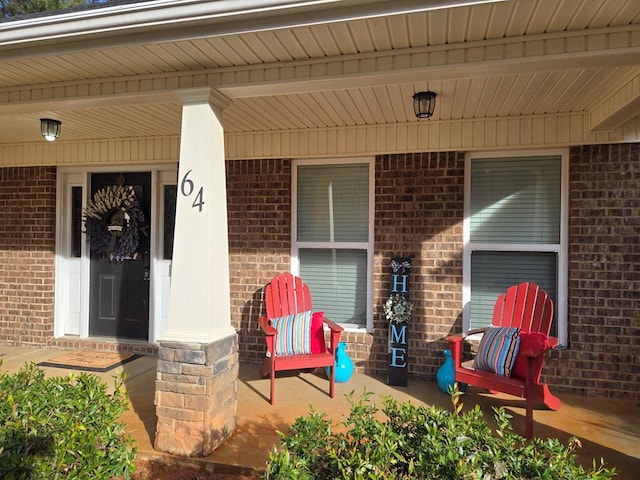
[(196, 396)]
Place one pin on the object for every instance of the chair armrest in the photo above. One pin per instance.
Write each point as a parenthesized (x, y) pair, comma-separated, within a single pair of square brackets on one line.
[(455, 345), (333, 326), (266, 326), (458, 337), (336, 330), (269, 335), (475, 331)]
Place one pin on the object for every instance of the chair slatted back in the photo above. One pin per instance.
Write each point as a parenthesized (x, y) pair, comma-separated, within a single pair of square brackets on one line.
[(286, 295), (525, 306)]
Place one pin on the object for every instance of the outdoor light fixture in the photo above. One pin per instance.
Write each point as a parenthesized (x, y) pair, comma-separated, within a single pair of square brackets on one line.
[(50, 129), (424, 103)]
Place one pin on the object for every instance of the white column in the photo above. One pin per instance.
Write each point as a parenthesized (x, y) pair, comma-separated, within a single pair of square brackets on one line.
[(199, 309)]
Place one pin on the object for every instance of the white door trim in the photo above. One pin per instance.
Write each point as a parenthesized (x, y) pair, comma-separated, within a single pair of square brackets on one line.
[(72, 274)]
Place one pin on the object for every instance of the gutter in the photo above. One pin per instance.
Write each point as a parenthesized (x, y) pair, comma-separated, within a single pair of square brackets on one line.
[(159, 21)]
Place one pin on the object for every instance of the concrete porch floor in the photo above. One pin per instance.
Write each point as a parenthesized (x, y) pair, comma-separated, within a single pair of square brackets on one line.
[(607, 428)]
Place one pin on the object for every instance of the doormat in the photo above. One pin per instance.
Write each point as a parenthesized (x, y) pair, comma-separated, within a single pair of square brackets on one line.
[(89, 361)]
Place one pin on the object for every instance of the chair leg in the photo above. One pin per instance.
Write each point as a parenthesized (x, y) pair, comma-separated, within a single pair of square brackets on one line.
[(541, 395), (273, 383), (551, 402), (266, 367), (332, 378), (529, 418)]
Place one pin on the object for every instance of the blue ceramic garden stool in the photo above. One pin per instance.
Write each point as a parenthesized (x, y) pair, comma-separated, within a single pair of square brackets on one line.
[(446, 375), (343, 366)]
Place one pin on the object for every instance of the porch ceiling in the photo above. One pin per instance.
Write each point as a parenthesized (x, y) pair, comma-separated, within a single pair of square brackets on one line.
[(310, 70)]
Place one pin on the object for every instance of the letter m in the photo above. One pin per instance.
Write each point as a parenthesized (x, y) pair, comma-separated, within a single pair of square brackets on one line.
[(398, 337)]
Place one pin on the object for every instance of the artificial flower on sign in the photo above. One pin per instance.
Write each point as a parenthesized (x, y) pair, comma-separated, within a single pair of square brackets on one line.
[(398, 309)]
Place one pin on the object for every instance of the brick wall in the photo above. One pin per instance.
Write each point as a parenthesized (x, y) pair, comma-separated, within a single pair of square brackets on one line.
[(419, 204), (259, 211), (27, 239), (419, 201), (603, 358), (419, 212)]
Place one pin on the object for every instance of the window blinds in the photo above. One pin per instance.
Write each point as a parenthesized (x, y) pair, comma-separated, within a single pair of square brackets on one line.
[(337, 281), (514, 203), (516, 200), (333, 216), (333, 203), (494, 272)]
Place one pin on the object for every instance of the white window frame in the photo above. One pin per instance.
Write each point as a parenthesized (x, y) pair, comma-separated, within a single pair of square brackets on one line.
[(368, 246), (561, 249)]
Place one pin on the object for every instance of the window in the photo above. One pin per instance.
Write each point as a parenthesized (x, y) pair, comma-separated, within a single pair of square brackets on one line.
[(515, 231), (332, 247), (168, 220), (76, 222)]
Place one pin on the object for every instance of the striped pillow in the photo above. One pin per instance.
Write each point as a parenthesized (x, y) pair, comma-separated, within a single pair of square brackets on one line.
[(294, 334), (498, 350)]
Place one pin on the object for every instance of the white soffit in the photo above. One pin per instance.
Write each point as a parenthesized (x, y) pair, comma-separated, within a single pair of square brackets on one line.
[(319, 64)]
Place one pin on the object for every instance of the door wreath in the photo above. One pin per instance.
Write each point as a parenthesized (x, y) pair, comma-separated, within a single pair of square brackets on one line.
[(113, 222)]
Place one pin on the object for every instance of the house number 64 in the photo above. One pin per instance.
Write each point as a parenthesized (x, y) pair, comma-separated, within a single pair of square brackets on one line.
[(187, 187)]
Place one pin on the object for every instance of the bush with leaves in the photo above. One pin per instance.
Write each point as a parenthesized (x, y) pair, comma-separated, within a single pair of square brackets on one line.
[(62, 427), (13, 8), (418, 442)]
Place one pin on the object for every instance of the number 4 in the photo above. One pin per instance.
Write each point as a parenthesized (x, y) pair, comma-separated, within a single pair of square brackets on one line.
[(199, 200)]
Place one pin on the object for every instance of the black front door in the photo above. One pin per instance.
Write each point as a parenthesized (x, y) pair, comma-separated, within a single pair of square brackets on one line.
[(119, 289)]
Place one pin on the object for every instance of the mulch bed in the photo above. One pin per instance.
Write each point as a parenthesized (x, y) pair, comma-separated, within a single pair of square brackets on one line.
[(157, 470)]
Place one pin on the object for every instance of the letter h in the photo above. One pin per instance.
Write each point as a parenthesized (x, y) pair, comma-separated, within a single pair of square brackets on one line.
[(399, 283)]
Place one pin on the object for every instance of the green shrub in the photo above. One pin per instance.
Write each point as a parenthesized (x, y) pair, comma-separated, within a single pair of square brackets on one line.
[(62, 427), (417, 442)]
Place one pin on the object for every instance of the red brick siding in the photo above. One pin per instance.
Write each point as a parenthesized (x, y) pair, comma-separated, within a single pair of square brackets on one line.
[(103, 345), (27, 259), (419, 201), (259, 211), (603, 357), (418, 212), (27, 268)]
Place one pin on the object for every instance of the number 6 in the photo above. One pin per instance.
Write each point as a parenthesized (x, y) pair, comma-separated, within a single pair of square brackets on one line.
[(186, 183)]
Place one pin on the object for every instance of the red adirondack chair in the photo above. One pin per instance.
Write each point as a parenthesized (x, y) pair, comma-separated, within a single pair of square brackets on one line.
[(287, 295), (527, 307)]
